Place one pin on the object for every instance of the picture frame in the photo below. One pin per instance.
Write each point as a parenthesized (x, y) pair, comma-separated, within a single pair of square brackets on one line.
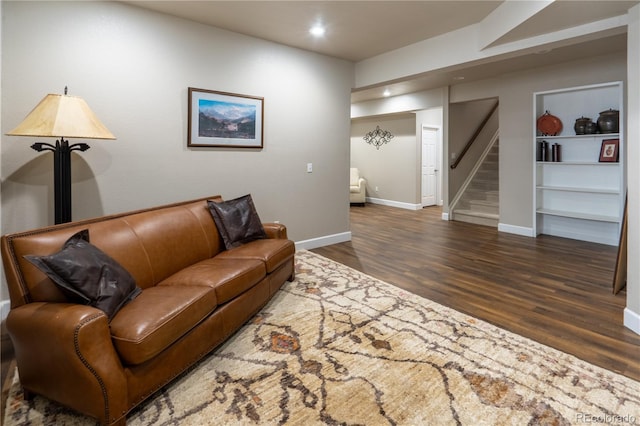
[(223, 119), (609, 151)]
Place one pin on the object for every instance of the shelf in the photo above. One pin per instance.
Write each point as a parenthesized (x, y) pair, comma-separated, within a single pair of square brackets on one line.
[(577, 163), (578, 197), (578, 189), (592, 135), (578, 215)]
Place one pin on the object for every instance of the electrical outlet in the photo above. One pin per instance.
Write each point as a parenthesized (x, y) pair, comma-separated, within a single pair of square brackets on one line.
[(309, 167), (376, 189)]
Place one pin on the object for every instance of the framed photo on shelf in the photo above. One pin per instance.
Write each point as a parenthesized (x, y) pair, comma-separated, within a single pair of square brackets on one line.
[(221, 119), (609, 151)]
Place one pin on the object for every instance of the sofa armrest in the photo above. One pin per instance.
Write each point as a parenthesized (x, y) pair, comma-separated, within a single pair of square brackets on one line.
[(275, 230), (361, 183), (64, 352)]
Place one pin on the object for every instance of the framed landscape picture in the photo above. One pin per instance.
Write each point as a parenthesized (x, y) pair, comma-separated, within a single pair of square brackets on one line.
[(221, 119), (609, 151)]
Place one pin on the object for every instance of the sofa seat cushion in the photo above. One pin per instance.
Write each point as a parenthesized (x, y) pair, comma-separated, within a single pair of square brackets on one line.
[(228, 277), (158, 317), (273, 252)]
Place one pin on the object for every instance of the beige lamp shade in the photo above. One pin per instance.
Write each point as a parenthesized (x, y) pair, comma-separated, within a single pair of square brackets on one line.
[(62, 116)]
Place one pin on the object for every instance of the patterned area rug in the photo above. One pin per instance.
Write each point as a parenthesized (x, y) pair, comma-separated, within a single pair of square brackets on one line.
[(339, 347)]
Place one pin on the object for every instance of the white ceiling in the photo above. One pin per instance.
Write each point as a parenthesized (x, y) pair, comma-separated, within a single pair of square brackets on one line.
[(358, 30)]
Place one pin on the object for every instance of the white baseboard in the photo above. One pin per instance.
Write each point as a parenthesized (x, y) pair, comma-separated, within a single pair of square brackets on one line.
[(391, 203), (5, 306), (632, 320), (518, 230), (327, 240)]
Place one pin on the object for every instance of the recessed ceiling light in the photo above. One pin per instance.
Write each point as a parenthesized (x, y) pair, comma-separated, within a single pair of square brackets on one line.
[(386, 92), (317, 30), (458, 78)]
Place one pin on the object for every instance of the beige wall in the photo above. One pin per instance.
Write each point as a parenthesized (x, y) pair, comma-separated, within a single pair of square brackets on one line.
[(390, 168), (632, 313), (133, 67)]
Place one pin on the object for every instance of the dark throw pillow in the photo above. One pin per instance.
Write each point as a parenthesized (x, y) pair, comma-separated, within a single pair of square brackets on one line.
[(88, 275), (237, 221)]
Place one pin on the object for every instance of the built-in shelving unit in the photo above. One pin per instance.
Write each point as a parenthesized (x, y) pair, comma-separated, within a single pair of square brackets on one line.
[(579, 197)]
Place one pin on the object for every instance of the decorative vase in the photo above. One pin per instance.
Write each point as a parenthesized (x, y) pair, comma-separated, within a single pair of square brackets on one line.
[(581, 125), (555, 153), (591, 128), (609, 121), (543, 151)]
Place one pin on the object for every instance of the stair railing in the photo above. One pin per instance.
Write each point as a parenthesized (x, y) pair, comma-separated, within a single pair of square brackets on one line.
[(472, 174), (474, 137)]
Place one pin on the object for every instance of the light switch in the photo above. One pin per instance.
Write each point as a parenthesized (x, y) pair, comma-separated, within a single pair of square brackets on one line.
[(309, 167)]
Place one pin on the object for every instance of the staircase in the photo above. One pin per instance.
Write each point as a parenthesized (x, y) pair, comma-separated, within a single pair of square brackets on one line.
[(479, 203)]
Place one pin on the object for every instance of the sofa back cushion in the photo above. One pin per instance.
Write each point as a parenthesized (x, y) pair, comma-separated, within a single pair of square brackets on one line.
[(172, 239), (150, 244), (354, 176)]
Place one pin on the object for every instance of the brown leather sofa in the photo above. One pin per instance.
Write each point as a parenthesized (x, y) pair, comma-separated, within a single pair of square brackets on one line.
[(195, 294)]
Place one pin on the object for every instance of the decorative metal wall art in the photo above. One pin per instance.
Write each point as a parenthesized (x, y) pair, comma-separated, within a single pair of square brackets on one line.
[(378, 137)]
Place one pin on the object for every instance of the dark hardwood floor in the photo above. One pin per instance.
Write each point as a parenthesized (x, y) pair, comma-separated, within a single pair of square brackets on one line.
[(552, 290)]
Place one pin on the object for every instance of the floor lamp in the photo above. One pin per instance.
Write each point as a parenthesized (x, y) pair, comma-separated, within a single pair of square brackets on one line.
[(62, 116)]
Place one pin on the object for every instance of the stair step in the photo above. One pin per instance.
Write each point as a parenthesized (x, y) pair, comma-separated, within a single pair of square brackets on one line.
[(478, 218), (480, 202), (483, 186), (484, 206), (490, 182), (493, 172), (477, 193), (482, 192), (486, 176), (488, 170), (492, 196)]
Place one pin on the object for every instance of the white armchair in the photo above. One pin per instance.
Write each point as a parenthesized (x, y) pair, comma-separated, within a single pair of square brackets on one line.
[(357, 193)]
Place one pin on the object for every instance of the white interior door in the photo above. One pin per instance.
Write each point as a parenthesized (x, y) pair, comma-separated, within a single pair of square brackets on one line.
[(429, 166)]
